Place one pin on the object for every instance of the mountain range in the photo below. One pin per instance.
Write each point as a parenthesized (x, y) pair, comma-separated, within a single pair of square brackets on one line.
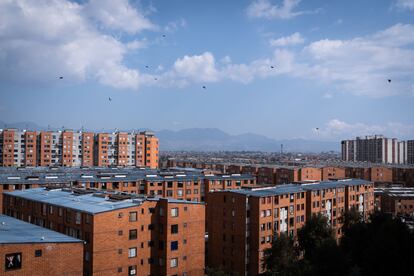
[(213, 139)]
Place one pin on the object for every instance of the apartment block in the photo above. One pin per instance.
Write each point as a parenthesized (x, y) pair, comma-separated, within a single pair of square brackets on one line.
[(410, 152), (398, 201), (27, 249), (332, 172), (73, 149), (191, 185), (243, 223), (126, 234), (375, 149)]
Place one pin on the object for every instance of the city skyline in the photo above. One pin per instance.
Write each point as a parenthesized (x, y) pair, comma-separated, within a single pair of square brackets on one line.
[(283, 69)]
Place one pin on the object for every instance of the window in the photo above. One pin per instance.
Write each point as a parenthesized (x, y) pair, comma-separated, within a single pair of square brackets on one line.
[(132, 252), (174, 229), (78, 217), (132, 216), (174, 262), (120, 233), (179, 192), (174, 212), (38, 253), (161, 210), (132, 270), (174, 245), (133, 234)]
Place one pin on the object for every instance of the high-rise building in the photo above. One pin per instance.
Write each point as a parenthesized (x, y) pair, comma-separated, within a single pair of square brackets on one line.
[(73, 149), (375, 149)]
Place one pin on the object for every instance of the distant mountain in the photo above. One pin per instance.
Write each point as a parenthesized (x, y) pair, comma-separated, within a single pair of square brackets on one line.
[(21, 125), (212, 139)]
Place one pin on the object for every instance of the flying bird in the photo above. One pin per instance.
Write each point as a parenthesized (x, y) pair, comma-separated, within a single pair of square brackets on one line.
[(146, 66), (155, 79), (163, 35), (271, 66), (110, 99), (204, 87), (389, 80), (317, 128), (61, 78)]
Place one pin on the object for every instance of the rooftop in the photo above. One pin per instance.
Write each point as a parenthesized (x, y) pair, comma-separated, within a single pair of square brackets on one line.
[(295, 188), (92, 203), (16, 231), (62, 175)]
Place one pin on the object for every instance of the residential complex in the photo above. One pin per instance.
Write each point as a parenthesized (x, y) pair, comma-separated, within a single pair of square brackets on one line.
[(73, 149), (243, 223), (276, 174), (28, 249), (185, 184), (378, 149), (124, 234)]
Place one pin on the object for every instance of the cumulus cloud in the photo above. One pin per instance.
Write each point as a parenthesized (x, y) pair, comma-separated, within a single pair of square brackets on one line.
[(405, 4), (337, 129), (40, 40), (118, 15), (265, 9), (362, 65), (293, 39)]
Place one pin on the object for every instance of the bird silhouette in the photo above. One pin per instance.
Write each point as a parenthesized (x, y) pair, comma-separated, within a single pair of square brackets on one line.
[(155, 79), (110, 99), (146, 66), (271, 66), (204, 87), (163, 35), (389, 80), (61, 78)]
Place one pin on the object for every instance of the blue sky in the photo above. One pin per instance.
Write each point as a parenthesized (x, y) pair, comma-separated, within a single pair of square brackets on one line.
[(332, 61)]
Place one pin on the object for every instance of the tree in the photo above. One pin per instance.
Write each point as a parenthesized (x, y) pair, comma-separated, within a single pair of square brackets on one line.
[(321, 253), (381, 247), (282, 257)]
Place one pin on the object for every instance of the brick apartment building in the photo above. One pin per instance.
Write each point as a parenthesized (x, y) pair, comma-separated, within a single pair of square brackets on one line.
[(191, 185), (243, 223), (27, 249), (124, 234), (68, 148), (395, 200)]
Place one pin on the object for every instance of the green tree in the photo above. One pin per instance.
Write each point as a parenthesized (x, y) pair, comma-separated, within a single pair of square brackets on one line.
[(383, 246), (282, 257)]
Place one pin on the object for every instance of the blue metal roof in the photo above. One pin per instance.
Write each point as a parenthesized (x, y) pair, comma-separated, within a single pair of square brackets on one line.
[(17, 231), (295, 188), (87, 203)]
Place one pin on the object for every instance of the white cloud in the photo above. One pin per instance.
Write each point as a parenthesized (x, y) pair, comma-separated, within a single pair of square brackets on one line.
[(136, 44), (265, 9), (405, 4), (363, 65), (200, 68), (337, 129), (118, 15), (41, 40), (293, 39)]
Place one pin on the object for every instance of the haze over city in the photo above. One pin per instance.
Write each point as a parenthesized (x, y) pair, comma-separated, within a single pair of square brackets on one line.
[(320, 70)]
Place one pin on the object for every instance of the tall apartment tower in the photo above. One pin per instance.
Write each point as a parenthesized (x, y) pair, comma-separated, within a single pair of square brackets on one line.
[(375, 149), (410, 151), (17, 148), (73, 149)]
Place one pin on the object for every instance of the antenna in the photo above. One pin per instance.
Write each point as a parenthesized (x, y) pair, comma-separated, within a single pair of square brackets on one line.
[(281, 149)]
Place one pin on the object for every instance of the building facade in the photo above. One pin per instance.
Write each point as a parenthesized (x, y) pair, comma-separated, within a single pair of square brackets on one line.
[(73, 149), (243, 223), (123, 233), (378, 149), (27, 249)]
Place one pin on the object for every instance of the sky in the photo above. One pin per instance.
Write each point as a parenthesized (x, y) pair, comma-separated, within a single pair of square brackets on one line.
[(317, 70)]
